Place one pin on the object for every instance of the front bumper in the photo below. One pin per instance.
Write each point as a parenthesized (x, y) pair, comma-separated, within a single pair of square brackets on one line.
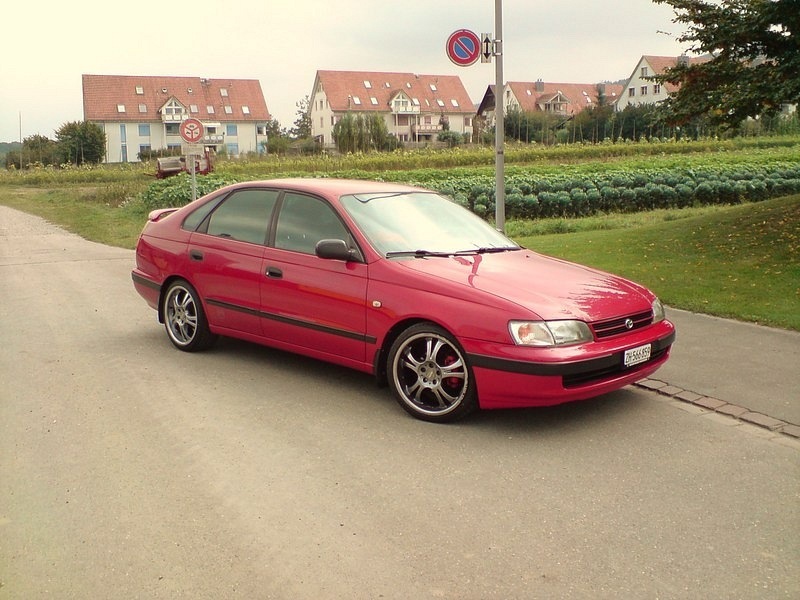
[(514, 376)]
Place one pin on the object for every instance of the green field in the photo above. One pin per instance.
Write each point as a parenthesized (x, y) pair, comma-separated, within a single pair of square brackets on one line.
[(739, 260)]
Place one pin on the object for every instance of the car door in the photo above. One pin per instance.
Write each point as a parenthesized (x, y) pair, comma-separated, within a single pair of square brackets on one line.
[(313, 304), (227, 252)]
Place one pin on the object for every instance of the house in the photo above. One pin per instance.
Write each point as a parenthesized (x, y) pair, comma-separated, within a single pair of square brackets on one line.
[(563, 99), (416, 108), (143, 113), (641, 89)]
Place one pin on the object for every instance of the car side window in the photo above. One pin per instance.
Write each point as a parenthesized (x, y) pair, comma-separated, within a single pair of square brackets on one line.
[(303, 221), (244, 216)]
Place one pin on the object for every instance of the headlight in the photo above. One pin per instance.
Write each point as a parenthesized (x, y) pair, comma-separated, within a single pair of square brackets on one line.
[(549, 333), (658, 311)]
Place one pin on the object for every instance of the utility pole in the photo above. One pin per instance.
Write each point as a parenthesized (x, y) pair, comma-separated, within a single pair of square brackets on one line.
[(499, 134)]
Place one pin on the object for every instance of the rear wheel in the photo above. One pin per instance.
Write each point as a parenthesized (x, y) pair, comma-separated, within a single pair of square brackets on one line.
[(430, 376), (184, 318)]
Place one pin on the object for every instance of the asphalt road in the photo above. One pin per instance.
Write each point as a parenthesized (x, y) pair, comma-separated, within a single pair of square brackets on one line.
[(131, 470)]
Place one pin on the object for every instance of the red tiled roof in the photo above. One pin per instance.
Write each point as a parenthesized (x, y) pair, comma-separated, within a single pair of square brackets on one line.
[(355, 90), (104, 94), (659, 64), (533, 95)]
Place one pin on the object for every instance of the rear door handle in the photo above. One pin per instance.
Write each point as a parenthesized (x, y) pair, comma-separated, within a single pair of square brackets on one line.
[(274, 272), (195, 255)]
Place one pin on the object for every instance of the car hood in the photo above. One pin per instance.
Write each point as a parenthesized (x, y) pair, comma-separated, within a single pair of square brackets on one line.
[(549, 287)]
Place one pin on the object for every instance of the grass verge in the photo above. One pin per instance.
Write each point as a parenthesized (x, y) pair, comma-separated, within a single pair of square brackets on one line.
[(740, 262)]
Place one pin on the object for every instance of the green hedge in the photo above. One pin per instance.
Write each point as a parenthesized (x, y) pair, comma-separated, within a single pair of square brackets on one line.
[(534, 195)]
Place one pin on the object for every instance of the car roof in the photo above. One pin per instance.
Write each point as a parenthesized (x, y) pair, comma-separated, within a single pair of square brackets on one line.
[(335, 187)]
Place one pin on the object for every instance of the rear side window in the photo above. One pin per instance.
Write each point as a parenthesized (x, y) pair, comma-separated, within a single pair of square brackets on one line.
[(303, 221), (244, 216)]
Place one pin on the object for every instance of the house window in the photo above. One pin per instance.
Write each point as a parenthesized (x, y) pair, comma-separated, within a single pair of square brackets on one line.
[(656, 88), (644, 90), (144, 150), (174, 147), (223, 92), (367, 84), (123, 133), (374, 100), (120, 108), (467, 122), (233, 149), (440, 102), (143, 108), (245, 110), (454, 102), (210, 109), (631, 92), (139, 90), (231, 130), (172, 128), (356, 100), (433, 87), (644, 71), (144, 130), (228, 109), (193, 108)]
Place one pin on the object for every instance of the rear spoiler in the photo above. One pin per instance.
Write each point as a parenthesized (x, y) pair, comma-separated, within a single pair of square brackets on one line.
[(160, 213)]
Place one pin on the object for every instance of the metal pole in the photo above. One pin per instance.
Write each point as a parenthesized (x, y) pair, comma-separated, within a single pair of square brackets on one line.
[(499, 134)]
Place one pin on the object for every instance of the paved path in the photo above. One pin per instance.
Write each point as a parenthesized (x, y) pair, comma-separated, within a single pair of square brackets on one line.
[(740, 369)]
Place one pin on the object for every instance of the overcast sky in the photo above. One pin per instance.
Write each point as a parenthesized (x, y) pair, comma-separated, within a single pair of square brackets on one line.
[(49, 44)]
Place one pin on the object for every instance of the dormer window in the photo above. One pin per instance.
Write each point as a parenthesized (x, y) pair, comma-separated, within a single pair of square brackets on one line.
[(143, 108), (120, 108), (223, 92), (139, 90), (433, 87), (454, 102), (367, 84), (210, 109), (356, 100), (440, 102), (374, 100), (245, 110), (228, 109)]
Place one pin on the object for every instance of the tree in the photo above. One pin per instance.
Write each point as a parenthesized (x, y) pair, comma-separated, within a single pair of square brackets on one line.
[(302, 124), (81, 142), (754, 64), (362, 133)]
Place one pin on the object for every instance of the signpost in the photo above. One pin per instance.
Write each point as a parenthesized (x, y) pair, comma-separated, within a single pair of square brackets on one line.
[(464, 48), (192, 132)]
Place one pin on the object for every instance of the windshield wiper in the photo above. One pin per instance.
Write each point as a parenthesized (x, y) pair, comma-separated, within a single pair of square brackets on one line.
[(490, 250), (417, 253), (427, 253)]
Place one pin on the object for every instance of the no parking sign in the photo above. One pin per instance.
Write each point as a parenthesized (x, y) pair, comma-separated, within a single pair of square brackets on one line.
[(463, 47)]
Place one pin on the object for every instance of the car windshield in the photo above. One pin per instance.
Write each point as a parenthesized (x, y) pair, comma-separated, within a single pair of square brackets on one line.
[(422, 224)]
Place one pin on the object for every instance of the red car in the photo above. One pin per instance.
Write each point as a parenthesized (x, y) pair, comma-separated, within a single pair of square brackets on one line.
[(401, 282)]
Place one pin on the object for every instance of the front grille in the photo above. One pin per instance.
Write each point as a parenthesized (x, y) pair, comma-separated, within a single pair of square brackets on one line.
[(579, 379), (604, 329)]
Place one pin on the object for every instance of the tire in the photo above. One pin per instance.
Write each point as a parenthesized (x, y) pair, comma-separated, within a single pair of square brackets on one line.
[(430, 376), (184, 318)]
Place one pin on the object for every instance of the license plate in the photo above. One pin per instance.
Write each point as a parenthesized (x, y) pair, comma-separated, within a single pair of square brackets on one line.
[(634, 356)]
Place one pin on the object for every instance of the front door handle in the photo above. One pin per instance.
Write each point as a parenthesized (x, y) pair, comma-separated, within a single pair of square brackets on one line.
[(274, 272), (195, 255)]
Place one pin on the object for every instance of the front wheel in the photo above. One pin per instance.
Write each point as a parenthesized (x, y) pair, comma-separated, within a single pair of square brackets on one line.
[(184, 318), (430, 376)]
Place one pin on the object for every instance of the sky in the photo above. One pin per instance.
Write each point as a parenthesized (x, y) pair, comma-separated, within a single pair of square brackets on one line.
[(49, 44)]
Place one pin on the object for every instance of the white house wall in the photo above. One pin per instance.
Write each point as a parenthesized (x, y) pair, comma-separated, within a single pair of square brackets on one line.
[(645, 91)]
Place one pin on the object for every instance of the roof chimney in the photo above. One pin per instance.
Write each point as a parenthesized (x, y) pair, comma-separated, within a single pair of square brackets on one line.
[(539, 86)]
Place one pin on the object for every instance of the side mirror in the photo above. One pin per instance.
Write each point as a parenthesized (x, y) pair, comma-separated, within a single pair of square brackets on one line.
[(335, 249)]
